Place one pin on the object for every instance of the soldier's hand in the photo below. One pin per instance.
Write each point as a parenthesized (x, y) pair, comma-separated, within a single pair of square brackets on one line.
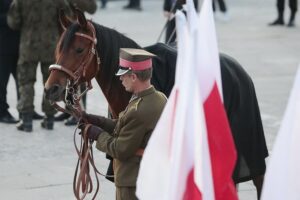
[(92, 119), (93, 132)]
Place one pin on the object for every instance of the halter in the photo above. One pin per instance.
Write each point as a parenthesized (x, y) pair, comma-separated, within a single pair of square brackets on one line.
[(72, 99)]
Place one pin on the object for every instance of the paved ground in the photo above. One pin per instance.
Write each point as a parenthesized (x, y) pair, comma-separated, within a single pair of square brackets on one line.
[(40, 165)]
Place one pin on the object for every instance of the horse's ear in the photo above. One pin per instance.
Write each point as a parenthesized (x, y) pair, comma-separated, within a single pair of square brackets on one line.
[(65, 22), (81, 18)]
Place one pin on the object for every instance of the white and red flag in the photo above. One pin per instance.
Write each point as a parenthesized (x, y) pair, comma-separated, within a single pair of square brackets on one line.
[(282, 179), (191, 153)]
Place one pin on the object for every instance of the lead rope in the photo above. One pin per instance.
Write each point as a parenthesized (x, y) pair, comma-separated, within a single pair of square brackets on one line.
[(82, 181)]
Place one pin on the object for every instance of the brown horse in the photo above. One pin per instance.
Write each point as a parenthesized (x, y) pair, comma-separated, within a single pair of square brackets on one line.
[(87, 50)]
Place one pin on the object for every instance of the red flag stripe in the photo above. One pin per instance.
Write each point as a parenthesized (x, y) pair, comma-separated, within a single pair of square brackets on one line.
[(221, 145), (191, 190)]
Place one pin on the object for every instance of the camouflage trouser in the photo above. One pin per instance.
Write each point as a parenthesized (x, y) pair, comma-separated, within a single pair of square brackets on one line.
[(26, 74)]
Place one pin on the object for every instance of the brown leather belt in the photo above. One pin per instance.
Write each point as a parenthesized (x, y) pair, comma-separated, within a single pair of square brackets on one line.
[(139, 152)]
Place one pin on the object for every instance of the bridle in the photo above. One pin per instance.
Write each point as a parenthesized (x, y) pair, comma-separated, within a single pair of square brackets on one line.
[(72, 98)]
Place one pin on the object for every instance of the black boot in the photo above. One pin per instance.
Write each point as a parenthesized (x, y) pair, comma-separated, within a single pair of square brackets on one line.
[(25, 123), (71, 121), (48, 122), (278, 21), (62, 117), (292, 20), (6, 117), (37, 116)]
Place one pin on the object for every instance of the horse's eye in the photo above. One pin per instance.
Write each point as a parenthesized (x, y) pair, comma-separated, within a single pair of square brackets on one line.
[(79, 50)]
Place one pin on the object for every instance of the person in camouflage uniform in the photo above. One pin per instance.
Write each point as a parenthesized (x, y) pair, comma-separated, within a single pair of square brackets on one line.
[(37, 21)]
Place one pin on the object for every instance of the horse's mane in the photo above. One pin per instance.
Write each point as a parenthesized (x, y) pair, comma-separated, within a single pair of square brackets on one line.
[(108, 46), (109, 43)]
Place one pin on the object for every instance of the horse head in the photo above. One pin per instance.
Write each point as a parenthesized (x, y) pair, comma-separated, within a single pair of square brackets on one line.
[(77, 61)]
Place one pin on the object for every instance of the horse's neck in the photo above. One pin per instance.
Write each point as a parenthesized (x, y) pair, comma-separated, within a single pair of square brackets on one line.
[(110, 85), (116, 97)]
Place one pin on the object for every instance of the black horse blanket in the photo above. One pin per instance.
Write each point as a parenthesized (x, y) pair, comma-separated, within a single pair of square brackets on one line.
[(240, 103)]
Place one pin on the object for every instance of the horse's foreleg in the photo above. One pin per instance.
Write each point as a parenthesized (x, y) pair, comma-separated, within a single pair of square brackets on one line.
[(258, 182)]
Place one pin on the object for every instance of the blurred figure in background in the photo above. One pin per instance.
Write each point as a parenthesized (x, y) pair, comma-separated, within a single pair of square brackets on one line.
[(134, 5), (223, 15), (37, 21), (103, 3), (9, 52), (280, 9)]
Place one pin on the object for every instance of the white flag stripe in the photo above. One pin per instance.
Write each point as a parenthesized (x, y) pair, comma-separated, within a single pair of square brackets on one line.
[(157, 159), (209, 56), (282, 180), (191, 15), (181, 159), (181, 30)]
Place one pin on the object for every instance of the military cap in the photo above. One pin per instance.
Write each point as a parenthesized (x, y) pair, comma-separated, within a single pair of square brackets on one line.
[(134, 60)]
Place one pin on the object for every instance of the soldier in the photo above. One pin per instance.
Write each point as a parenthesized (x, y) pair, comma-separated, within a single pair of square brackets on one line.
[(37, 21), (126, 138)]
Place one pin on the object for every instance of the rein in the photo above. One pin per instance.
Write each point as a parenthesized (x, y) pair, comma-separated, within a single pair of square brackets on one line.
[(82, 182)]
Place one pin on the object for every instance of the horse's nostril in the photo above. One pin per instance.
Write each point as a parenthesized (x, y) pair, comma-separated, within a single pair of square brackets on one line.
[(54, 89), (53, 92)]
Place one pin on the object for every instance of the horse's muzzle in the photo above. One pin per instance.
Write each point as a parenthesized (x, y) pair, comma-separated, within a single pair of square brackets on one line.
[(54, 93)]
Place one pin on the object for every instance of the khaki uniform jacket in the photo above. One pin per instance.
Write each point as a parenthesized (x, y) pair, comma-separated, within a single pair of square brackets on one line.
[(132, 132), (38, 22)]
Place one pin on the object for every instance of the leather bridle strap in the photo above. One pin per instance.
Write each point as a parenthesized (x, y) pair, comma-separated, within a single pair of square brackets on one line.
[(61, 68), (59, 108)]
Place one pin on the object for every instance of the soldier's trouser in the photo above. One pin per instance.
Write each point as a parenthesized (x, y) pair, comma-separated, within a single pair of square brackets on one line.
[(8, 65), (26, 74), (125, 193)]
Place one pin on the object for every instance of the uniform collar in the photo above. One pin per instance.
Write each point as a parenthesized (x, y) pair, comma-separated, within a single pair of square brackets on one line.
[(145, 92), (142, 93)]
